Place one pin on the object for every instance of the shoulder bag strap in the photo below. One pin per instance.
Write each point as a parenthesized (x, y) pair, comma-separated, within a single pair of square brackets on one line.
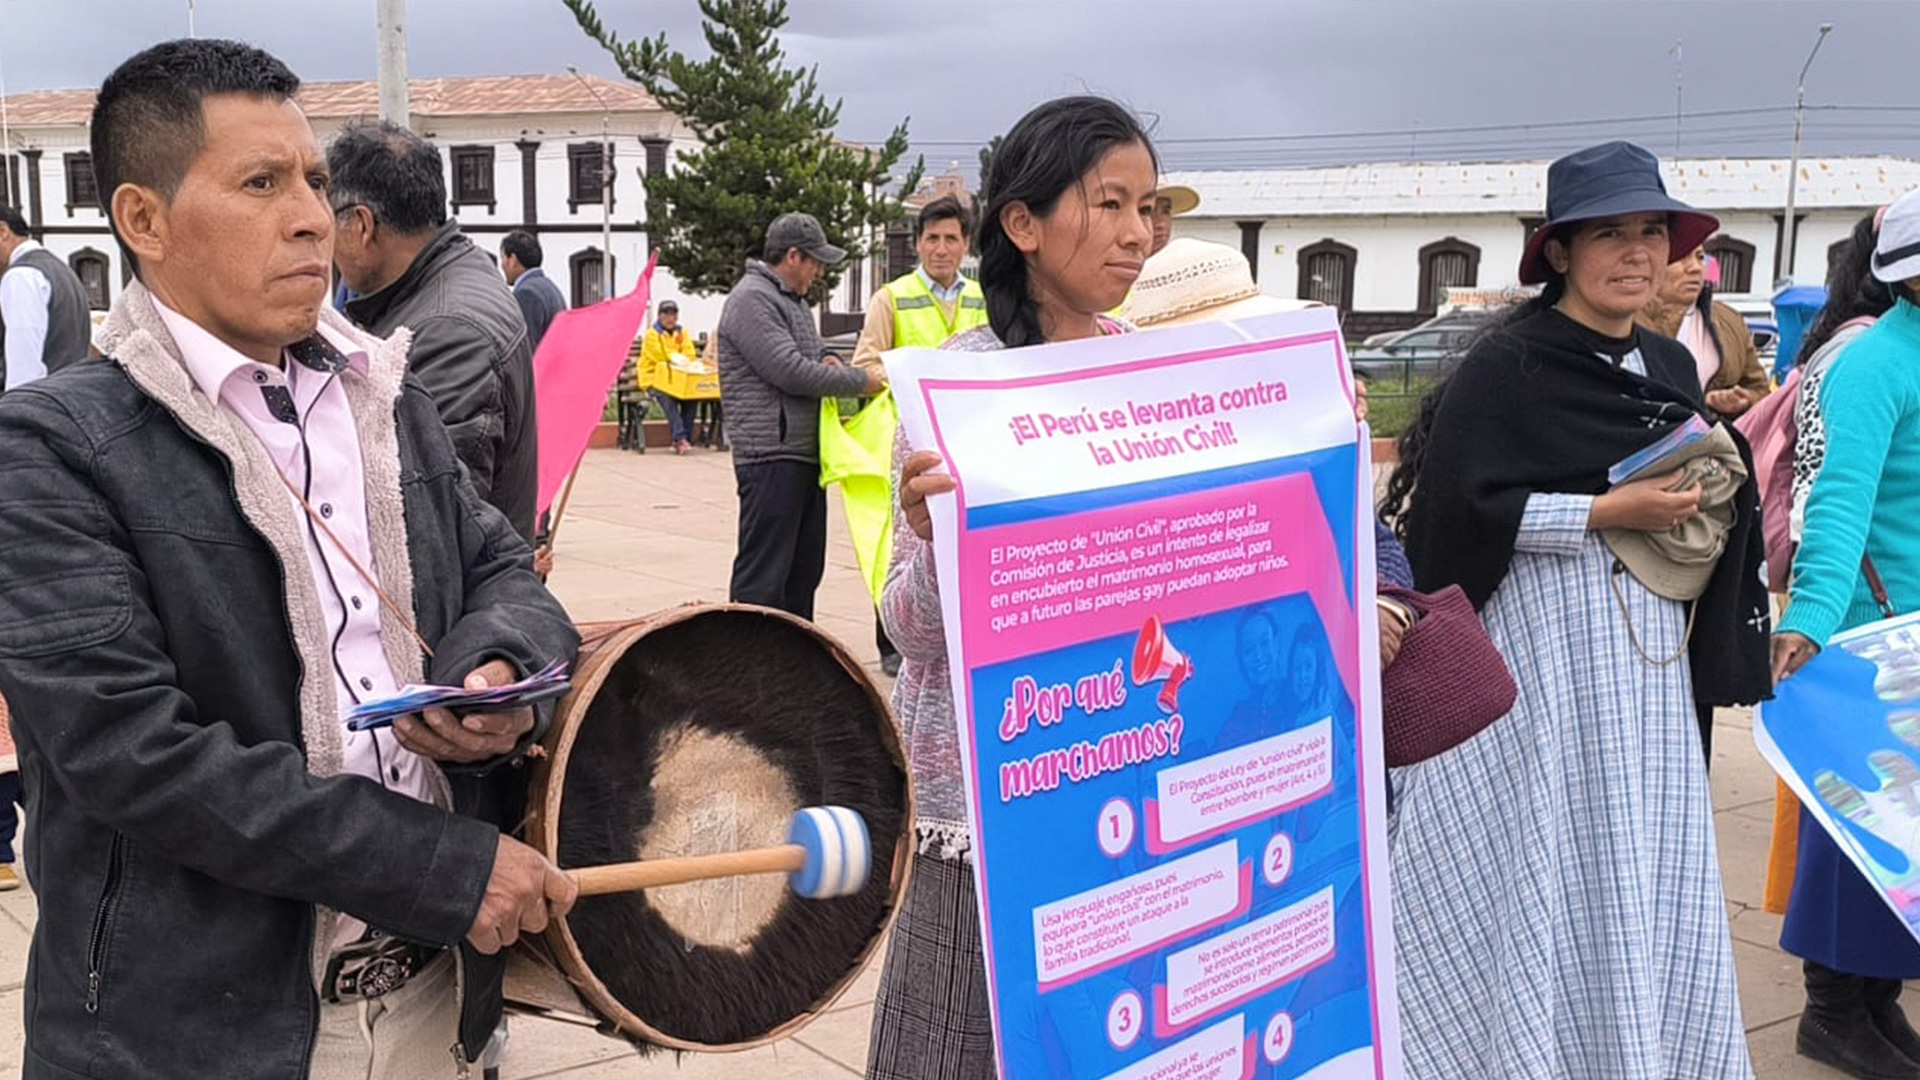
[(1878, 585)]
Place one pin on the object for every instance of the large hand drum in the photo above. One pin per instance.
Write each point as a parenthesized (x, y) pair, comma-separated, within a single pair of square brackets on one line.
[(698, 731)]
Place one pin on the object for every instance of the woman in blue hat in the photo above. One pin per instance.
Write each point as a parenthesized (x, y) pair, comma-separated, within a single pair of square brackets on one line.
[(1557, 903)]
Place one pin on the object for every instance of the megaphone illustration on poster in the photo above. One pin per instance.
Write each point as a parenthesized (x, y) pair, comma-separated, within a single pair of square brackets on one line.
[(1155, 659)]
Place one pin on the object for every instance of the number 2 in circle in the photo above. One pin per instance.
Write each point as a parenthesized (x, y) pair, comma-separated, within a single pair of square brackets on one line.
[(1276, 863)]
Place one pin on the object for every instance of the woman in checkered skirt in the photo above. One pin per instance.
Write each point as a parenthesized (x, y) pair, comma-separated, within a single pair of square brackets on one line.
[(1558, 913)]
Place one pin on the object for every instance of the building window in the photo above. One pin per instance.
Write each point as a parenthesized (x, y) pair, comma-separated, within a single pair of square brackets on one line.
[(1250, 245), (1447, 264), (656, 155), (583, 267), (473, 177), (90, 267), (1736, 263), (584, 176), (11, 193), (80, 189), (1326, 274)]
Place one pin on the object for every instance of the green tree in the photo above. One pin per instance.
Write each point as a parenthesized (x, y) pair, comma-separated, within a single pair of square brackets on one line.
[(767, 147)]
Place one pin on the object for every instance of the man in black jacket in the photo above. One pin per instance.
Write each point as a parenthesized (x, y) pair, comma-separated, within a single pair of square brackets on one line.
[(211, 546), (409, 266)]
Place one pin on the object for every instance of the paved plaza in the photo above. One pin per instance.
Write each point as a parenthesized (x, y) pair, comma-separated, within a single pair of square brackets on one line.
[(643, 532)]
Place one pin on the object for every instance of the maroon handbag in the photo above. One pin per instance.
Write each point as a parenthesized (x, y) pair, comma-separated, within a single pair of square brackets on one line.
[(1447, 684)]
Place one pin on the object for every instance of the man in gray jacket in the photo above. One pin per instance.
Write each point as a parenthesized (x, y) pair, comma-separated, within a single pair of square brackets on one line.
[(408, 265), (773, 373)]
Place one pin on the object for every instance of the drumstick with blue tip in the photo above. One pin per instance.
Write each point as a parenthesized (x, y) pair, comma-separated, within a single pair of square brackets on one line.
[(827, 854)]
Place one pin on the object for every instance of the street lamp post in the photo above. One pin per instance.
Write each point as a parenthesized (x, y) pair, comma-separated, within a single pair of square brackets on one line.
[(392, 56), (1789, 230), (606, 190)]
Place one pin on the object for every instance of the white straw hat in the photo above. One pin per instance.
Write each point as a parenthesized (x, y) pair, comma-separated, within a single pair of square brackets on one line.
[(1185, 200), (1193, 281)]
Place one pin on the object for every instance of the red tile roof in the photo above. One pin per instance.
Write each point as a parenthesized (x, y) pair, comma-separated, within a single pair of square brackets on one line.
[(473, 95)]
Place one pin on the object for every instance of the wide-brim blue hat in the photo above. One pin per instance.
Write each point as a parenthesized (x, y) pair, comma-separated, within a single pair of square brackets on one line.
[(1610, 180)]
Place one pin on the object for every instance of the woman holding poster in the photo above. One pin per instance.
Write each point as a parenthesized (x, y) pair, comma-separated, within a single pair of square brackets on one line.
[(1864, 502), (1068, 219), (1557, 900)]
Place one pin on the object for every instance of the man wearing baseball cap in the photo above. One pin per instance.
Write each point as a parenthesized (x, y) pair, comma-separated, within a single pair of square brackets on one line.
[(773, 373)]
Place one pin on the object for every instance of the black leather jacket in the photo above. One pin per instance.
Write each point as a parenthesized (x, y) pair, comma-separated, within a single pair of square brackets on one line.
[(472, 353), (179, 840)]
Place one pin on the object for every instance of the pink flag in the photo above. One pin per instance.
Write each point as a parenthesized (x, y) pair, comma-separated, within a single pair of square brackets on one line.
[(578, 361)]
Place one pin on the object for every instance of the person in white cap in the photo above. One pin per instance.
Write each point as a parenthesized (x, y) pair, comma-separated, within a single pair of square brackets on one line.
[(1862, 516)]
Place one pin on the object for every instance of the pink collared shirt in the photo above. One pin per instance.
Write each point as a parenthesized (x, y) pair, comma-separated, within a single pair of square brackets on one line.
[(335, 488), (326, 466)]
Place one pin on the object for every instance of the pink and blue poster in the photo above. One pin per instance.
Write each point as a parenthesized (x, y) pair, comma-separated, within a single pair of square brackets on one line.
[(1157, 588), (1844, 733)]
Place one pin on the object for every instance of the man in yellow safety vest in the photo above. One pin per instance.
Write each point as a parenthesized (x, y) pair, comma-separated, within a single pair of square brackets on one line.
[(935, 301), (924, 309)]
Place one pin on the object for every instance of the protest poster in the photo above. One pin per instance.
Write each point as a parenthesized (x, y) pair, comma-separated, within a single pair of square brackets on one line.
[(1844, 733), (1156, 580)]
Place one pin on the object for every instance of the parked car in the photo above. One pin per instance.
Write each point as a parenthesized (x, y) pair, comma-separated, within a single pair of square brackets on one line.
[(841, 344), (1758, 313), (1419, 353)]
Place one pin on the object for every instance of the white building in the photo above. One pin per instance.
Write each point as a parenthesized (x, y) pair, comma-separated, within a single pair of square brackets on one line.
[(522, 152), (1383, 242)]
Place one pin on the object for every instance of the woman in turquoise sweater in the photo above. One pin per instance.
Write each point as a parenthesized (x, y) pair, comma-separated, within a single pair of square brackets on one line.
[(1865, 502)]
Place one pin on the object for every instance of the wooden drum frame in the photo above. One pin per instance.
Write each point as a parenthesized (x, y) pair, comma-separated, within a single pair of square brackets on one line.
[(603, 646)]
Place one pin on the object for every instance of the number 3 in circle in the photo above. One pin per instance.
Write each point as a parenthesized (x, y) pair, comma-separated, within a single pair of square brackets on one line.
[(1123, 1020)]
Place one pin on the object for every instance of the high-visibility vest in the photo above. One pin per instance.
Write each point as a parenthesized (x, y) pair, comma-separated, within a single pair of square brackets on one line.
[(918, 320), (857, 453)]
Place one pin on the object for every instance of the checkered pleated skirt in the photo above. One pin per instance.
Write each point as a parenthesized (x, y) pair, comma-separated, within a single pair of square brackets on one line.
[(930, 1020), (1557, 901)]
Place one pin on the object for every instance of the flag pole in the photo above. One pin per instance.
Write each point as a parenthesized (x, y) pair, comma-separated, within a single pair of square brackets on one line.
[(560, 508)]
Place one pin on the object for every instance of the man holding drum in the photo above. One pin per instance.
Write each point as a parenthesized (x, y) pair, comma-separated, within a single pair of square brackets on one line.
[(211, 548)]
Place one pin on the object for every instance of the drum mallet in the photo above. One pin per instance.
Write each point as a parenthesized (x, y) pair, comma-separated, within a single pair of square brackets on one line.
[(827, 854)]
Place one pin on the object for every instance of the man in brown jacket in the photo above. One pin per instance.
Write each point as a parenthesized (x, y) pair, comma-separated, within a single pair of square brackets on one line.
[(1722, 346)]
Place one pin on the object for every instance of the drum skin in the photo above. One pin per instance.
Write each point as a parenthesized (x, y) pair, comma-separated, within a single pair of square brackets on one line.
[(688, 732)]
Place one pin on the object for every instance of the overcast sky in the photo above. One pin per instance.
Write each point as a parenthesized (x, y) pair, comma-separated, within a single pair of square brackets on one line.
[(1227, 84)]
